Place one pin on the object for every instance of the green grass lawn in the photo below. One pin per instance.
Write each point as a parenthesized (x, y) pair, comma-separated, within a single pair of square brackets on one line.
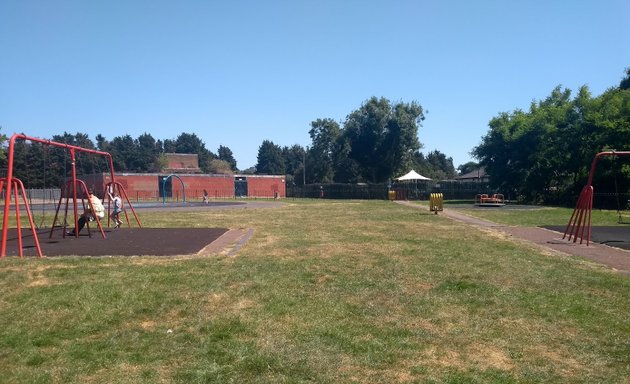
[(531, 216), (324, 292)]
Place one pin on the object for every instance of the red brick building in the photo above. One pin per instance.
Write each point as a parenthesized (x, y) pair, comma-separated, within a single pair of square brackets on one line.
[(154, 186), (181, 178)]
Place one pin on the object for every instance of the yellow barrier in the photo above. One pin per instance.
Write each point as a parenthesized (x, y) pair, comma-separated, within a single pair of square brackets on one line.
[(391, 195), (436, 202)]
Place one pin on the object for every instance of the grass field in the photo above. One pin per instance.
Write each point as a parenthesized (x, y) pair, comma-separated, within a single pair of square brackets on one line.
[(532, 216), (324, 292)]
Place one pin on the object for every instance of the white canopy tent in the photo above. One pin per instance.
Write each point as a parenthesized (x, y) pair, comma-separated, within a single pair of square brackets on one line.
[(412, 175)]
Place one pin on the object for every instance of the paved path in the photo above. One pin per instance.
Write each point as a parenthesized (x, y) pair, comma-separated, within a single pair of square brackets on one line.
[(617, 259)]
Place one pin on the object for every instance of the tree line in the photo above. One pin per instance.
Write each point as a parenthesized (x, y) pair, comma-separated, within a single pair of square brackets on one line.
[(44, 166), (544, 154), (376, 142)]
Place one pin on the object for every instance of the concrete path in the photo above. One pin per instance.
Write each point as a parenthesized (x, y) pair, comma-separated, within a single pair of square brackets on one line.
[(616, 258)]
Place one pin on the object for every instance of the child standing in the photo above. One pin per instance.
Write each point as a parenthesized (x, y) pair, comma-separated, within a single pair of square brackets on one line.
[(117, 209)]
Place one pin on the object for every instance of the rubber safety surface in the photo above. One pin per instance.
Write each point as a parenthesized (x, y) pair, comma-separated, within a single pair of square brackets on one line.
[(617, 236), (118, 242)]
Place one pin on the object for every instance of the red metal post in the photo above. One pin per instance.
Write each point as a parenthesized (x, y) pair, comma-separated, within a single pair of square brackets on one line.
[(17, 216)]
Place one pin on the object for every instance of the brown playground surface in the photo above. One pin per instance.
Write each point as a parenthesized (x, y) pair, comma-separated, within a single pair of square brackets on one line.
[(142, 241), (118, 242), (616, 258)]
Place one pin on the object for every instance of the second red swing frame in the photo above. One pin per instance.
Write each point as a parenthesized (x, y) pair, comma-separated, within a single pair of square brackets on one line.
[(580, 222)]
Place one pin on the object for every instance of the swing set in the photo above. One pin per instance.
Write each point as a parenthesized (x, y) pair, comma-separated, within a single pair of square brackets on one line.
[(580, 222), (73, 191)]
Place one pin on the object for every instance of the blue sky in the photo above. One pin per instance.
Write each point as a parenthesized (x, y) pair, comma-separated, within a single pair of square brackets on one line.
[(239, 72)]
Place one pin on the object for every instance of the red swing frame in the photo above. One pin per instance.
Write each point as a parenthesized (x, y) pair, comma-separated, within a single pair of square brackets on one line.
[(580, 221), (12, 183)]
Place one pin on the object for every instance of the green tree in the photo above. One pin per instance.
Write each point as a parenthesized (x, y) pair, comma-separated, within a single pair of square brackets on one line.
[(123, 151), (544, 154), (101, 143), (3, 154), (86, 163), (441, 166), (21, 157), (226, 155), (191, 143), (270, 160), (293, 157), (347, 169), (625, 82), (467, 167), (383, 138), (146, 153), (325, 134), (170, 146)]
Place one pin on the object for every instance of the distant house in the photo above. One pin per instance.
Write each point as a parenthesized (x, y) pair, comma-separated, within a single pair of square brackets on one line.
[(478, 175)]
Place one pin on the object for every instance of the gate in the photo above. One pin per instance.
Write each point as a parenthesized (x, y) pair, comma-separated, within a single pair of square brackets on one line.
[(240, 187)]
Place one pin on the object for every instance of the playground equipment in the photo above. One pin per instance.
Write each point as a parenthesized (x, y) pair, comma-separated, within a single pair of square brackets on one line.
[(71, 186), (436, 202), (580, 222), (494, 200), (16, 187), (165, 179), (12, 185)]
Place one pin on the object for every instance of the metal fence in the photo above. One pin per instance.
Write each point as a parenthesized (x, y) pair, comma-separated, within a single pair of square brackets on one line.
[(339, 191), (614, 201), (420, 190), (39, 195)]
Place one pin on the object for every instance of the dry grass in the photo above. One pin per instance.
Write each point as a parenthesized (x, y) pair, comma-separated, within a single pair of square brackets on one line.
[(327, 292)]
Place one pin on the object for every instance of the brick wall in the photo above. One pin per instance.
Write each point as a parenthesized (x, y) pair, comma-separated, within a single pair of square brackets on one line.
[(266, 186), (147, 186), (218, 186)]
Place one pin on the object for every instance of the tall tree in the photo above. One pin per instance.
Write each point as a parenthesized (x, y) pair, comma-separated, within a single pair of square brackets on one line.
[(441, 166), (294, 157), (146, 153), (270, 160), (226, 155), (545, 153), (625, 82), (169, 146), (101, 143), (191, 143), (467, 167), (3, 155), (325, 134), (383, 138), (85, 163), (123, 151)]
